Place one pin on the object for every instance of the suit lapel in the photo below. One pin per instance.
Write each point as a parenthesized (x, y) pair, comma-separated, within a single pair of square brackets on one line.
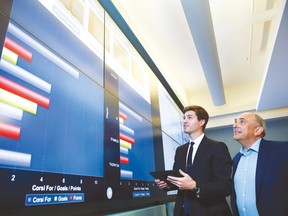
[(200, 151), (183, 157), (261, 163)]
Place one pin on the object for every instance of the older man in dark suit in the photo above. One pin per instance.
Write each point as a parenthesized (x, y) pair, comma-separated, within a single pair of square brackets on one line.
[(260, 170)]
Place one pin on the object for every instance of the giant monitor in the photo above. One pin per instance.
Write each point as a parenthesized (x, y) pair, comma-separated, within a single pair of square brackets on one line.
[(83, 120)]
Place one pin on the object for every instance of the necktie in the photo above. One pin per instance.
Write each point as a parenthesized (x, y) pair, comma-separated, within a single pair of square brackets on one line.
[(189, 159), (186, 204)]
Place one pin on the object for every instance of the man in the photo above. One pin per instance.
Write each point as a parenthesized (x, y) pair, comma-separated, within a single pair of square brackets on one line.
[(260, 170), (207, 179)]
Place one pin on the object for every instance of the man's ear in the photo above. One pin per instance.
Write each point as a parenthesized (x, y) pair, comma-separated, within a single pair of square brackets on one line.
[(258, 130), (202, 122)]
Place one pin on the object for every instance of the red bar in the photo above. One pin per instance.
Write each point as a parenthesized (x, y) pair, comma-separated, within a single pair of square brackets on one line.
[(127, 138), (18, 49), (123, 116), (24, 92), (124, 160), (10, 131)]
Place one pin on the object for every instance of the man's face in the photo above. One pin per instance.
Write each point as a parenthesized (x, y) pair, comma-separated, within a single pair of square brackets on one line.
[(191, 123), (244, 127)]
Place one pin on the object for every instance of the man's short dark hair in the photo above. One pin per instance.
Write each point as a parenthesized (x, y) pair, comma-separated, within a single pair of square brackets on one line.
[(200, 112)]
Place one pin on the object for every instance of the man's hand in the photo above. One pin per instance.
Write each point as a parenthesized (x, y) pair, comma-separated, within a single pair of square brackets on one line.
[(161, 184), (183, 183)]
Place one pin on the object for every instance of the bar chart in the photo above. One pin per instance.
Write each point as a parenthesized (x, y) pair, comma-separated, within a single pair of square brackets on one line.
[(126, 140), (136, 144), (31, 100), (73, 122), (17, 98)]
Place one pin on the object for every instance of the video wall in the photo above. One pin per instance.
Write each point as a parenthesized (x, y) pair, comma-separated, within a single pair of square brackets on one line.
[(82, 118)]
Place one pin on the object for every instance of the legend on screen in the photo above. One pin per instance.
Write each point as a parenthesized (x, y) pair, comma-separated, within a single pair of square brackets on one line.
[(46, 199)]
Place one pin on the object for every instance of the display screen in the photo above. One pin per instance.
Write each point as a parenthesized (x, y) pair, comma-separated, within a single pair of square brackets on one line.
[(76, 127)]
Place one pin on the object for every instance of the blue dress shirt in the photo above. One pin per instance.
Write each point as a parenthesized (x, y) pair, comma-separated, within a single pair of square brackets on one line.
[(244, 181)]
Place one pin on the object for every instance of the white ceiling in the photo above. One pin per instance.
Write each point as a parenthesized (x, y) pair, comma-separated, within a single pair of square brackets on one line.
[(224, 55)]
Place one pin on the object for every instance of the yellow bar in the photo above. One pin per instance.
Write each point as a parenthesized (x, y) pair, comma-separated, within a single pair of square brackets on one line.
[(125, 144), (121, 120), (19, 102), (9, 56)]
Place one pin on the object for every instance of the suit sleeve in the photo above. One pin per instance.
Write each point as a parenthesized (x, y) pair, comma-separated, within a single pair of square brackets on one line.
[(218, 177)]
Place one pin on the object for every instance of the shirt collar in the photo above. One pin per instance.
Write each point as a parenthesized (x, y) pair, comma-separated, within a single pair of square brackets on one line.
[(254, 147), (198, 139)]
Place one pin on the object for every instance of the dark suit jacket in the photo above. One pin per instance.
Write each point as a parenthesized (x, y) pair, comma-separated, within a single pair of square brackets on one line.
[(212, 168), (271, 179)]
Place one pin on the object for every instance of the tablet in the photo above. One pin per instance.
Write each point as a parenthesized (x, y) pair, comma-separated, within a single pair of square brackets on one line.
[(162, 175)]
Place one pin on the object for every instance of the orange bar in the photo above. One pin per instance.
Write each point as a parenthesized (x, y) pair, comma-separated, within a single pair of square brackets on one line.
[(18, 49), (123, 116), (127, 138), (124, 160), (26, 93), (10, 131)]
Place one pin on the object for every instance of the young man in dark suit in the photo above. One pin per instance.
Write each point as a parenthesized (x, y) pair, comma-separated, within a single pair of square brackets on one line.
[(260, 170), (206, 172)]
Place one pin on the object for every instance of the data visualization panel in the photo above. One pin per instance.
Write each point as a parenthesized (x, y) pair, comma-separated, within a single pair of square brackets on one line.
[(83, 119)]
